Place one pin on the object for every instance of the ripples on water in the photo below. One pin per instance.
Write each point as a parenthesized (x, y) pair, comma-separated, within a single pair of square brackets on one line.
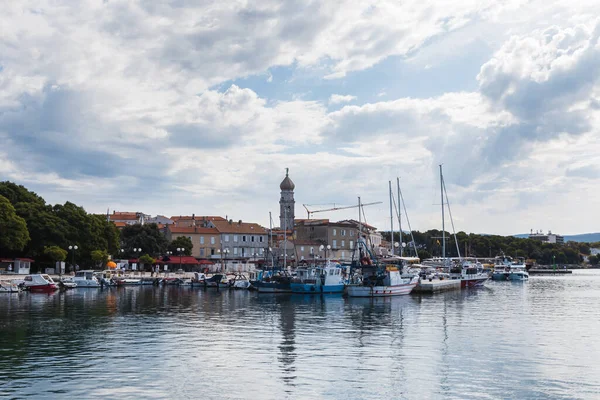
[(508, 340)]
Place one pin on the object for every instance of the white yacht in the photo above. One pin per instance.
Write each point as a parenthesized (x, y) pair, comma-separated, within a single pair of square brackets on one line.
[(506, 269)]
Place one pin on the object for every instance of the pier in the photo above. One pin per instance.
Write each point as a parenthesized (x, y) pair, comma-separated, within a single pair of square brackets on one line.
[(437, 285)]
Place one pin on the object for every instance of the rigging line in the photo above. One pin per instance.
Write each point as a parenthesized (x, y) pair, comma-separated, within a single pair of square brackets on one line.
[(451, 220), (408, 221)]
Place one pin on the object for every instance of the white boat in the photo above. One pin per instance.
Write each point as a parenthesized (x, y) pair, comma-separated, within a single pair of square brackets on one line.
[(39, 283), (86, 279), (67, 283), (470, 274), (506, 269), (379, 280), (9, 287)]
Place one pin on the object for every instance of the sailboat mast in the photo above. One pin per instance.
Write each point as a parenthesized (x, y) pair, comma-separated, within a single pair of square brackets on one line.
[(391, 222), (443, 222), (399, 217), (271, 240)]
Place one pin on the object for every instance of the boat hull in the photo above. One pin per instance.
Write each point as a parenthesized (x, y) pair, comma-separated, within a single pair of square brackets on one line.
[(273, 287), (380, 291), (311, 288), (472, 283), (49, 288)]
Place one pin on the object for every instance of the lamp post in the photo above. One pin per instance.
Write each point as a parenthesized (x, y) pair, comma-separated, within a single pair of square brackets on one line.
[(169, 253), (137, 252), (180, 250), (224, 254), (73, 248)]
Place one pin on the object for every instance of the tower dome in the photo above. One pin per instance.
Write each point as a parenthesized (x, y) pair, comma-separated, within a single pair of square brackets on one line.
[(287, 183)]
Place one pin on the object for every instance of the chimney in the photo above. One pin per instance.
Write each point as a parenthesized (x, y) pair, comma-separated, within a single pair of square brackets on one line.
[(230, 221), (240, 222)]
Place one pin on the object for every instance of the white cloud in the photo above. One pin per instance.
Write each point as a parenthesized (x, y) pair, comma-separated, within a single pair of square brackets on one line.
[(340, 98)]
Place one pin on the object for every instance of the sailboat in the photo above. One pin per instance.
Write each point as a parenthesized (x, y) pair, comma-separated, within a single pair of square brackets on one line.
[(469, 273), (377, 280)]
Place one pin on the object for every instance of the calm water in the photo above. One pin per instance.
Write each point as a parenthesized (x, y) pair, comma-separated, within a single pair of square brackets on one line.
[(509, 340)]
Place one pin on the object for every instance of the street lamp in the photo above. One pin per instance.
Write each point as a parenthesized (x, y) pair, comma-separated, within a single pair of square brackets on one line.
[(396, 245), (180, 250), (322, 248), (224, 254), (73, 248), (135, 251)]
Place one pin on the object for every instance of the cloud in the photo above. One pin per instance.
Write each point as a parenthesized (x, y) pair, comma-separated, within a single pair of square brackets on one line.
[(340, 98)]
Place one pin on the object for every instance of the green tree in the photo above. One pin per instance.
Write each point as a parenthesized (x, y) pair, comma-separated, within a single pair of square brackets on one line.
[(55, 253), (99, 257), (181, 242), (13, 229), (146, 260), (147, 237), (593, 260)]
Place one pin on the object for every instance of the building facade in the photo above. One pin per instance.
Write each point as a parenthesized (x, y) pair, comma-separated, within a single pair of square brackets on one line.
[(241, 240), (206, 241), (547, 238)]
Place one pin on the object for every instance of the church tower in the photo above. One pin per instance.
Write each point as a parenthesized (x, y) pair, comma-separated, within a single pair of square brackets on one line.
[(286, 203)]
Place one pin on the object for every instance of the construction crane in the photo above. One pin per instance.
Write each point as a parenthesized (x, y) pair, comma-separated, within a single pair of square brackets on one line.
[(309, 212)]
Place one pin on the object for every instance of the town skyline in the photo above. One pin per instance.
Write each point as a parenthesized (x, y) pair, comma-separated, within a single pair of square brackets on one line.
[(180, 108)]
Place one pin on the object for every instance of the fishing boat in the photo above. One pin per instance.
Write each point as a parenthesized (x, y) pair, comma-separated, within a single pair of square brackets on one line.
[(41, 283), (318, 280), (127, 281), (198, 279), (278, 282), (240, 281), (506, 269), (216, 281), (86, 279), (377, 279)]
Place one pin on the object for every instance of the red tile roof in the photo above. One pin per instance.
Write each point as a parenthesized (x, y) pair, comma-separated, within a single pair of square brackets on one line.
[(197, 217), (239, 227), (192, 229)]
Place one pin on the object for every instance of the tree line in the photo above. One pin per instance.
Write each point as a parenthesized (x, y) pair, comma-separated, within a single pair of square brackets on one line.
[(29, 227), (429, 244)]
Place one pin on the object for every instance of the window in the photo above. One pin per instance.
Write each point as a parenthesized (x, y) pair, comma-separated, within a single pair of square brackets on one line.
[(201, 252), (343, 232), (226, 238), (302, 249), (201, 239), (312, 250), (351, 245), (260, 239), (351, 233), (212, 240), (334, 231), (235, 250), (343, 243), (334, 244), (261, 251), (252, 238), (243, 238), (343, 254), (235, 238)]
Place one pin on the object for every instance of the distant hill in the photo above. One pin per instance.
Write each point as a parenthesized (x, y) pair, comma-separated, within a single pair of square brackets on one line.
[(583, 237)]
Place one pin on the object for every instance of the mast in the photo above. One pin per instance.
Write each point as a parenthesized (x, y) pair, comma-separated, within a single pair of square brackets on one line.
[(399, 217), (391, 221), (443, 222)]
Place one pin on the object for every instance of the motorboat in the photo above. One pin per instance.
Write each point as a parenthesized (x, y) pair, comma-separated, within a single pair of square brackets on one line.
[(470, 274), (506, 269), (67, 283), (9, 287), (316, 280), (216, 281), (127, 281), (198, 279), (86, 279), (42, 283)]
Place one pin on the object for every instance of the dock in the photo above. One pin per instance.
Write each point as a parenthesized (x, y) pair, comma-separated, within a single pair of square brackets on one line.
[(437, 285), (549, 271)]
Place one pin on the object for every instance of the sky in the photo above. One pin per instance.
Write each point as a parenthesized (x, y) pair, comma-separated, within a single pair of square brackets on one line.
[(179, 107)]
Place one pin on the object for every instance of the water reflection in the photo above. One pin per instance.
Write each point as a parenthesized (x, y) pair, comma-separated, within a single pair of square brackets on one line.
[(170, 342)]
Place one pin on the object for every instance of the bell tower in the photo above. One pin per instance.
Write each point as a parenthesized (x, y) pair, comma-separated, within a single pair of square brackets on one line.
[(286, 203)]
